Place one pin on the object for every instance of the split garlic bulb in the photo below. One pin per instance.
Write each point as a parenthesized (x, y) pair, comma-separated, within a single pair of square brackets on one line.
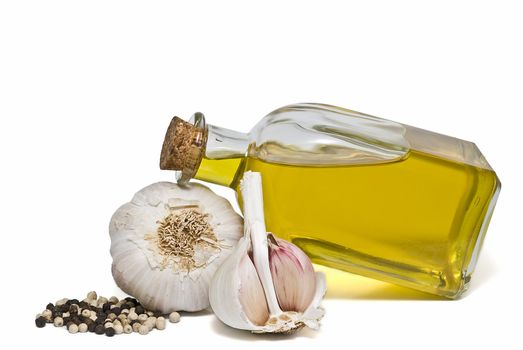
[(168, 242), (267, 285)]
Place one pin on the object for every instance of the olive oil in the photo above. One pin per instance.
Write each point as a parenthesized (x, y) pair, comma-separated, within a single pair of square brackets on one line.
[(355, 192), (414, 218)]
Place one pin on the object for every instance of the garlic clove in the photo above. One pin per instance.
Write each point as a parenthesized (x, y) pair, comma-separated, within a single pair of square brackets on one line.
[(252, 297), (292, 274), (224, 291)]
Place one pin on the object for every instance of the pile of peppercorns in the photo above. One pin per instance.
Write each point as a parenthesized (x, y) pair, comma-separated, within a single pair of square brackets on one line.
[(103, 316)]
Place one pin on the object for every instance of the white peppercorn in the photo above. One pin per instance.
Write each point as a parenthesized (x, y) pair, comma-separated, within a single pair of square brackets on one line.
[(150, 325), (47, 314), (150, 313), (143, 330), (136, 326), (82, 327), (58, 322), (92, 295), (73, 328), (142, 317), (160, 323), (61, 302), (127, 329), (174, 317), (113, 299), (108, 325), (86, 313), (118, 329), (133, 316)]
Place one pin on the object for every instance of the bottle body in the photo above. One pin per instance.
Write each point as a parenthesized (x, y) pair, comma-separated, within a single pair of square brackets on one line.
[(364, 194)]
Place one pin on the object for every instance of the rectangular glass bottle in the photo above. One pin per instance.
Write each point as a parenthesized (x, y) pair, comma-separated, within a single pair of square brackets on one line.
[(363, 194)]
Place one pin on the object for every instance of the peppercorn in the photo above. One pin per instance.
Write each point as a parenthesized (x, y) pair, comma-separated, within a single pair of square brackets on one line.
[(143, 330), (99, 329), (174, 317), (47, 314), (40, 322), (74, 301), (142, 317), (86, 313), (118, 329), (50, 306), (92, 295), (136, 327), (139, 309), (109, 331), (58, 322), (127, 329), (106, 307), (91, 327), (73, 309), (160, 323), (116, 310), (72, 329)]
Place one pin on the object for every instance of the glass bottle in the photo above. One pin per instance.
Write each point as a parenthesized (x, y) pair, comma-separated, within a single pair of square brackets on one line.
[(355, 192)]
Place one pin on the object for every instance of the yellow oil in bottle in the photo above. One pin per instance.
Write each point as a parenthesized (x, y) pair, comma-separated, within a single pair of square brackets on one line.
[(414, 221)]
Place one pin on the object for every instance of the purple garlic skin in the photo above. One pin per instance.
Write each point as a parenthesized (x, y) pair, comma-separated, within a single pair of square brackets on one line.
[(292, 274)]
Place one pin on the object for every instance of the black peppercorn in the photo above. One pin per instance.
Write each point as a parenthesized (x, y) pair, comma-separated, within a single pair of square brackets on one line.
[(109, 331), (106, 307), (139, 309), (116, 310), (91, 327), (99, 329), (50, 306), (63, 308), (75, 301), (40, 322), (73, 310)]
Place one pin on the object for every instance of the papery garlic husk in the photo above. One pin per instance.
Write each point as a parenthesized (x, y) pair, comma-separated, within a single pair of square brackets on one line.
[(266, 285), (168, 242)]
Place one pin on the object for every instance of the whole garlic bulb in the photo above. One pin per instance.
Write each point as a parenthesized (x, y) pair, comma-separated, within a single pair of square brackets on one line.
[(168, 242), (267, 285)]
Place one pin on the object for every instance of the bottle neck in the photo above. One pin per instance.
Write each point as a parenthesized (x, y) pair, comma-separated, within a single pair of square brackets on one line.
[(225, 151)]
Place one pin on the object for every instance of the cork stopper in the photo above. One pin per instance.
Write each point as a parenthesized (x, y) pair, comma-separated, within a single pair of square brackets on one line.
[(184, 147)]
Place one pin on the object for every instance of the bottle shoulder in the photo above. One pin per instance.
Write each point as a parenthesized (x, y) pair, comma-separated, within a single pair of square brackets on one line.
[(318, 134)]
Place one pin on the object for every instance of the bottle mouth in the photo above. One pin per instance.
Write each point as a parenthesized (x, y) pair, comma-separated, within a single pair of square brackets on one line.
[(184, 146)]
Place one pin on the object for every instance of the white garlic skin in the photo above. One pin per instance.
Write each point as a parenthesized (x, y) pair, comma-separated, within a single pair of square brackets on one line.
[(135, 266), (224, 291)]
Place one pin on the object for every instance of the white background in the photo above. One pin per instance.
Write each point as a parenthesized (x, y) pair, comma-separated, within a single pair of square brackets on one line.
[(88, 88)]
